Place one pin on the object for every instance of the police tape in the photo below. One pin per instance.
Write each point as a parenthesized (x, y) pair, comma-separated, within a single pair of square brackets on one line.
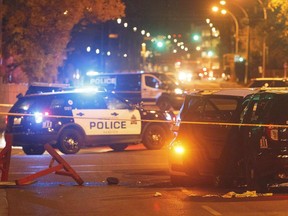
[(6, 105), (153, 120)]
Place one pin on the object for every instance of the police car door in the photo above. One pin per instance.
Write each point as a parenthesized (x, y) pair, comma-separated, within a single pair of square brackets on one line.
[(106, 117), (150, 89)]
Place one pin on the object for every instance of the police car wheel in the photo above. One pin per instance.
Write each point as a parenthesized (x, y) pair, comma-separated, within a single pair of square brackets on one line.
[(118, 147), (33, 150), (154, 137), (70, 141)]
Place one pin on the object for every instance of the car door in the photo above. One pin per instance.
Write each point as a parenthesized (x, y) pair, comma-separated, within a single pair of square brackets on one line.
[(150, 89), (212, 131), (105, 118)]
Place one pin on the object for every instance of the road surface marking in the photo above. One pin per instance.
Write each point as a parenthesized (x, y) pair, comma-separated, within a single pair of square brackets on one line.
[(210, 210)]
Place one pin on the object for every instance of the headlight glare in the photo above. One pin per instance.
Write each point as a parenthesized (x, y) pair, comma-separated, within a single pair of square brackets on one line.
[(178, 91)]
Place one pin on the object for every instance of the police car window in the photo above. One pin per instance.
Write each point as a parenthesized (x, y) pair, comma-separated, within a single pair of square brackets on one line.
[(152, 82), (115, 103), (31, 104), (57, 103), (88, 102), (129, 82)]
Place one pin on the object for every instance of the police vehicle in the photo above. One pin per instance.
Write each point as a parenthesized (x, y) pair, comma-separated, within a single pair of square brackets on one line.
[(72, 120), (149, 88)]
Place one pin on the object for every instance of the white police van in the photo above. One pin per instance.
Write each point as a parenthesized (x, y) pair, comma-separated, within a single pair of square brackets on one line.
[(71, 120), (149, 88)]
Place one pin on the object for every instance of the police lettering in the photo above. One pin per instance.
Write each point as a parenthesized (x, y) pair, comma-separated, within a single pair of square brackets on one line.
[(108, 125)]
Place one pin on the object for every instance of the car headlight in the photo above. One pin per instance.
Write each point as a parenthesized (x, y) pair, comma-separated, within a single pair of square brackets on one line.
[(178, 91)]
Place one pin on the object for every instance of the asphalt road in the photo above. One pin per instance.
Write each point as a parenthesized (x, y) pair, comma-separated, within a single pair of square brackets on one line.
[(144, 188)]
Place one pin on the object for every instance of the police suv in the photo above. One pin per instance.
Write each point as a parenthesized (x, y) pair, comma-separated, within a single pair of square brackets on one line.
[(71, 120)]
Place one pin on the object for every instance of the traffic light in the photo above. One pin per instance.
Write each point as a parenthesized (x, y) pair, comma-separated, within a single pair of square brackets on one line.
[(196, 37), (160, 44)]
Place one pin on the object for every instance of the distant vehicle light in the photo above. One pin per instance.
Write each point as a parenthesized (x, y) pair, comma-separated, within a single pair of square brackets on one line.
[(178, 91)]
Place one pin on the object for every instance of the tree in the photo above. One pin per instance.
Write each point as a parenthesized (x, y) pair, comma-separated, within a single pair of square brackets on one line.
[(36, 32), (278, 34)]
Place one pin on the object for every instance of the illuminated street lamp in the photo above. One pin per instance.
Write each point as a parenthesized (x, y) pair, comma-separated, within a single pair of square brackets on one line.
[(223, 2), (223, 11)]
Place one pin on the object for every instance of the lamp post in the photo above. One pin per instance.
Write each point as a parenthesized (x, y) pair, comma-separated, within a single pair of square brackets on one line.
[(264, 39), (223, 11), (223, 2), (1, 14)]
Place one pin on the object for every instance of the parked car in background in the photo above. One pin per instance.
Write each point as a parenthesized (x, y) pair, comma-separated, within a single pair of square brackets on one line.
[(71, 120), (268, 82), (211, 142)]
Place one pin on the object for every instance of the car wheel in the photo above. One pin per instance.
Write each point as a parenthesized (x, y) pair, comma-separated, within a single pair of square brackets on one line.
[(118, 147), (164, 105), (33, 150), (253, 179), (70, 141), (154, 137)]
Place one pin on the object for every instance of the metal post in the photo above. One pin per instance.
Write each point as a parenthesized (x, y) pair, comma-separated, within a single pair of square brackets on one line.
[(1, 14), (264, 39)]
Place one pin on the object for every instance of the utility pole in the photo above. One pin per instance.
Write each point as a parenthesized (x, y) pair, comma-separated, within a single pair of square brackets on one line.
[(1, 15), (264, 39)]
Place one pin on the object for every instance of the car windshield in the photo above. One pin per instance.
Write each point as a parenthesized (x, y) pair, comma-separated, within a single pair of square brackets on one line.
[(268, 83)]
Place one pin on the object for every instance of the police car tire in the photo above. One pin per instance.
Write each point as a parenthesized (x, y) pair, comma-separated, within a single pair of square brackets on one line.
[(33, 150), (118, 147), (158, 132), (70, 134)]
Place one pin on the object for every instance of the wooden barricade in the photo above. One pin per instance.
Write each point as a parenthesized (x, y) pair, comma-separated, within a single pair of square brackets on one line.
[(63, 168)]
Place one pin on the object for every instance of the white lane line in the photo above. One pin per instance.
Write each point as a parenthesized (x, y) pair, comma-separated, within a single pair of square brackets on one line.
[(3, 203), (210, 210)]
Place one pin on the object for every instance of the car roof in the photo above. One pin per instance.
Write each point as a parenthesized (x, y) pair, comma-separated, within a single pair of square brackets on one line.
[(237, 92), (275, 90), (73, 91), (269, 79)]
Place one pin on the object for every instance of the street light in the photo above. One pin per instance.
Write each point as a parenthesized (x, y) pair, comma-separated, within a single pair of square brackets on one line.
[(223, 2), (264, 39), (223, 11)]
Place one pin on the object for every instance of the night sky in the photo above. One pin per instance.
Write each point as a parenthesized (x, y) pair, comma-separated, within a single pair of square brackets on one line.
[(167, 16)]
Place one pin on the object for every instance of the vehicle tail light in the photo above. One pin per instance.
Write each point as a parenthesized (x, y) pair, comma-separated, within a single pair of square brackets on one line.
[(272, 133), (39, 116), (178, 147), (6, 120)]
